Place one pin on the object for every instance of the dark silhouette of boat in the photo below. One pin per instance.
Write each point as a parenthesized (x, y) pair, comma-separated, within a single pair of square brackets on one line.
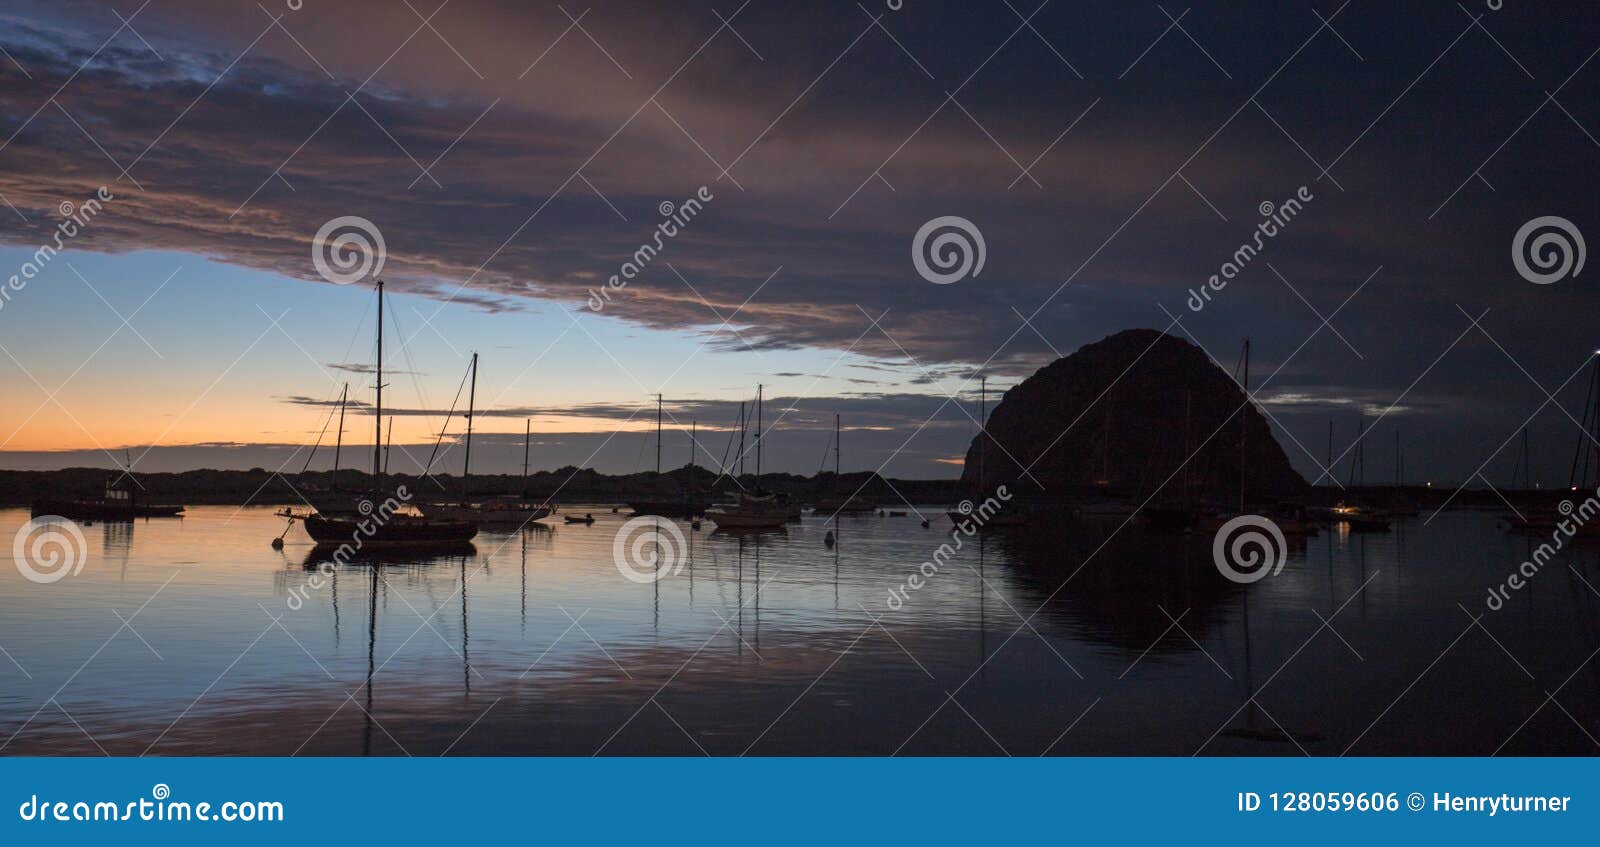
[(371, 523), (679, 507), (120, 503), (836, 502), (586, 519), (394, 530), (663, 497)]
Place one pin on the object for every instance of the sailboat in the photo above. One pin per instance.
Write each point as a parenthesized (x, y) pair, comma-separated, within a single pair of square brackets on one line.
[(331, 501), (752, 509), (840, 502), (1013, 515), (1540, 515), (669, 505), (1400, 505), (369, 525), (501, 510), (1358, 516), (1291, 519)]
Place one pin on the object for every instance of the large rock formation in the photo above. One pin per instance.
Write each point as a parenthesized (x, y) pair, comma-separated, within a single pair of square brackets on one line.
[(1121, 415)]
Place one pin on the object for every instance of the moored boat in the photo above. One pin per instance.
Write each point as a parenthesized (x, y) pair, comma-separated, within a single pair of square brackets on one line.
[(509, 511), (750, 511), (394, 530), (119, 504), (372, 524)]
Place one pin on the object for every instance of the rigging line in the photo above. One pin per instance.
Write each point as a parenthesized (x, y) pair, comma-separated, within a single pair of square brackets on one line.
[(318, 443), (825, 449), (411, 367), (356, 333), (723, 462), (440, 438), (744, 426), (1588, 402), (643, 443)]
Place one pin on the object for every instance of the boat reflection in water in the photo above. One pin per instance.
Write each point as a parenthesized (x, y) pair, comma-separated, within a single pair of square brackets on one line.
[(1067, 639), (379, 565)]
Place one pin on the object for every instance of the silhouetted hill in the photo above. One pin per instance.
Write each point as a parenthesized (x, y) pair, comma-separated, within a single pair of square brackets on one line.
[(1122, 414)]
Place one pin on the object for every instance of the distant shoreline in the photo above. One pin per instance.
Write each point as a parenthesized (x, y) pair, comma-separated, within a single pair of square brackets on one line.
[(573, 485), (564, 485)]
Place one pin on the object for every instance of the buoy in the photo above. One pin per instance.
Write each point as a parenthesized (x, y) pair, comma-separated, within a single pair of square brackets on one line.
[(277, 543), (828, 539), (694, 524), (924, 523)]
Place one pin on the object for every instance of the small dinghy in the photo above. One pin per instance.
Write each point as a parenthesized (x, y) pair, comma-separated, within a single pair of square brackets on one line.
[(586, 519)]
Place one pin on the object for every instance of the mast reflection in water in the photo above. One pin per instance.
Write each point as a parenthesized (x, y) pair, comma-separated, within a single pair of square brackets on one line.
[(776, 643)]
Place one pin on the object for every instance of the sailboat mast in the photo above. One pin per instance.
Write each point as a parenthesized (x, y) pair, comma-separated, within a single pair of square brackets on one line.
[(758, 434), (527, 438), (472, 398), (388, 442), (338, 439), (377, 435), (658, 434), (1329, 468), (983, 426), (1244, 424), (836, 447), (1527, 460), (741, 439), (1188, 482)]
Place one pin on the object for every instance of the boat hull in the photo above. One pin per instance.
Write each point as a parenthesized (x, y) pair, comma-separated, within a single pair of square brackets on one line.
[(397, 531), (500, 514), (92, 510), (748, 520), (678, 508)]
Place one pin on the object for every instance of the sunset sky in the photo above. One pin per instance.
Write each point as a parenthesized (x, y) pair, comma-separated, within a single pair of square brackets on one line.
[(515, 155)]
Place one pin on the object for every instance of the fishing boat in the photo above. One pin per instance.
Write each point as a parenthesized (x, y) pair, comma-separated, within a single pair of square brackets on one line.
[(375, 525), (586, 519), (120, 503)]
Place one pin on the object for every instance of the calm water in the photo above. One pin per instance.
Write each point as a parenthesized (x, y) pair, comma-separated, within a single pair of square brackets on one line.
[(533, 643)]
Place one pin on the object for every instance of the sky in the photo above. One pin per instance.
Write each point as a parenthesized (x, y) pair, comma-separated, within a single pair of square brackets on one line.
[(515, 156)]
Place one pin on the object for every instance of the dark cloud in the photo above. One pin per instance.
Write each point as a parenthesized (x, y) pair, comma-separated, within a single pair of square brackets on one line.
[(244, 141)]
